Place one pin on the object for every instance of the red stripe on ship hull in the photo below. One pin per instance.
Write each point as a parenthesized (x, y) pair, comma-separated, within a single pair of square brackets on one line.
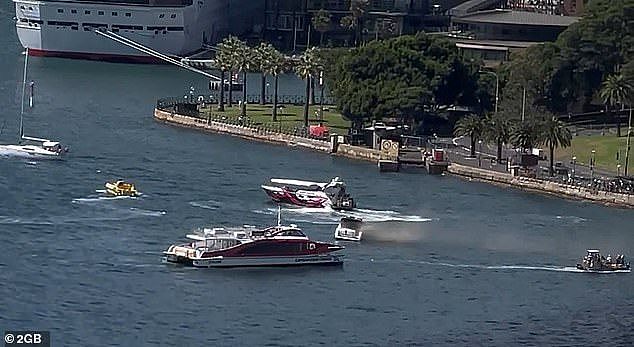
[(113, 58)]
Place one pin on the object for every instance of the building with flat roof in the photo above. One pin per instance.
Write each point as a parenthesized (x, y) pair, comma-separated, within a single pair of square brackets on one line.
[(512, 25)]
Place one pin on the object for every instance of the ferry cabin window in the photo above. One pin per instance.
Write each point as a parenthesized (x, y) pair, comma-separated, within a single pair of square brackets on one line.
[(128, 14), (162, 15), (114, 14), (73, 11), (101, 13), (59, 10), (86, 12), (22, 7), (173, 16)]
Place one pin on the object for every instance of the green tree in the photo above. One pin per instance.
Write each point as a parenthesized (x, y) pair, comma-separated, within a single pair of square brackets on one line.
[(243, 56), (227, 50), (525, 134), (616, 91), (405, 77), (321, 23), (223, 62), (308, 66), (275, 65), (497, 129), (471, 126), (261, 62), (554, 134)]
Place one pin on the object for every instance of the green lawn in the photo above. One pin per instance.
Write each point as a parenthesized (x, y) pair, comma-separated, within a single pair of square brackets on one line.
[(606, 148), (288, 116)]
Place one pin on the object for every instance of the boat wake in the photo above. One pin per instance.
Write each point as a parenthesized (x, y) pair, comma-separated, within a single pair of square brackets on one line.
[(511, 267), (206, 204), (329, 216), (100, 198)]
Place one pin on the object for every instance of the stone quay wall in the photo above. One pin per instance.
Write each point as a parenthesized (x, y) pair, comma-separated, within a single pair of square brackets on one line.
[(372, 155), (541, 186)]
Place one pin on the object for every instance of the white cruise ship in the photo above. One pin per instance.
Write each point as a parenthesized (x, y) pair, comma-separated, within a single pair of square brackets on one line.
[(64, 28)]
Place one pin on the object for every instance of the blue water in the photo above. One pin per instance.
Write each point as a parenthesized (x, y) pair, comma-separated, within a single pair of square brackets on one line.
[(446, 262)]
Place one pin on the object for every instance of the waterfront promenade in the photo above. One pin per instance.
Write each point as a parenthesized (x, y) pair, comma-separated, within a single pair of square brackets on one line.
[(471, 168)]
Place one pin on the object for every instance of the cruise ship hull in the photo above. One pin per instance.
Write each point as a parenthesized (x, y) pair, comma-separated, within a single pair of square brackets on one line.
[(66, 29)]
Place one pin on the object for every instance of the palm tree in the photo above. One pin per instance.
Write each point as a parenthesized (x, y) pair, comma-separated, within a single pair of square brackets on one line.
[(615, 91), (227, 49), (274, 65), (321, 23), (260, 57), (554, 134), (308, 65), (243, 55), (223, 63), (525, 135), (497, 129), (469, 126)]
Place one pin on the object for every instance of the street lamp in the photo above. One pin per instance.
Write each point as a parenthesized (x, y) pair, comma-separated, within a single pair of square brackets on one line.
[(592, 165), (480, 154), (321, 95), (574, 165), (497, 84)]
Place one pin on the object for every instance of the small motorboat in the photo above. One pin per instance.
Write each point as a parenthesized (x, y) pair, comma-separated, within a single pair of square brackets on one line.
[(349, 229), (595, 262), (121, 188), (310, 194)]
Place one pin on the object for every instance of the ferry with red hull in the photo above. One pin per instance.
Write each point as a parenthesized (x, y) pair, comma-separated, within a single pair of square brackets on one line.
[(249, 246)]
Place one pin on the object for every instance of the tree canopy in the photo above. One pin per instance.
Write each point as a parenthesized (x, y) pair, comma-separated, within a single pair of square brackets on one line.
[(404, 77), (565, 76)]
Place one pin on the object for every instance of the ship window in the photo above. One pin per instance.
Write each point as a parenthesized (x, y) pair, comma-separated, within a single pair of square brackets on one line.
[(30, 8), (162, 15), (23, 20), (101, 13), (174, 28), (115, 14), (173, 15), (128, 14), (73, 11), (59, 10), (22, 7), (86, 12)]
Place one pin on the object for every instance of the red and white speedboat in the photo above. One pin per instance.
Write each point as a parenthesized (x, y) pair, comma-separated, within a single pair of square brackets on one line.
[(310, 194), (249, 246)]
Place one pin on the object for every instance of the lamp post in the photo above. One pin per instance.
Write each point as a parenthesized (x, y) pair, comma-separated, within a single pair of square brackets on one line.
[(574, 165), (480, 154), (321, 95), (592, 165)]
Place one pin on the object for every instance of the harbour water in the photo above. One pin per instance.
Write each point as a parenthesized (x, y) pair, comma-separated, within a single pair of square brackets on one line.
[(446, 261)]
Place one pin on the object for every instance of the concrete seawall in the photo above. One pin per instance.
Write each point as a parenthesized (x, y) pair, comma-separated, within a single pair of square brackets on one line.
[(540, 186), (372, 155), (345, 150)]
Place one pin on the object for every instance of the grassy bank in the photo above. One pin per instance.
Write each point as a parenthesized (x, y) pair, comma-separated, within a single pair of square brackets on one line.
[(288, 116), (606, 148)]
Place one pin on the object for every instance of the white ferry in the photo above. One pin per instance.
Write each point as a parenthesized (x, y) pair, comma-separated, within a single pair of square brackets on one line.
[(64, 28)]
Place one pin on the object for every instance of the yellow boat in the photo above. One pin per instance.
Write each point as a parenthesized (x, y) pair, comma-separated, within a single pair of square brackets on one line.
[(121, 188)]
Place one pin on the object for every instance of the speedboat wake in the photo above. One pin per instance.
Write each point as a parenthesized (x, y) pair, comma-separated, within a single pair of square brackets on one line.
[(505, 267), (329, 216)]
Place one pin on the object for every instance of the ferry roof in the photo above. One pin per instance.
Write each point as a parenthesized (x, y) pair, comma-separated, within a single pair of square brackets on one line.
[(593, 251)]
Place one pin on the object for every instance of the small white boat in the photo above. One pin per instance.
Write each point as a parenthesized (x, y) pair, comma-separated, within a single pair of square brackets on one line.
[(349, 229), (46, 149)]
